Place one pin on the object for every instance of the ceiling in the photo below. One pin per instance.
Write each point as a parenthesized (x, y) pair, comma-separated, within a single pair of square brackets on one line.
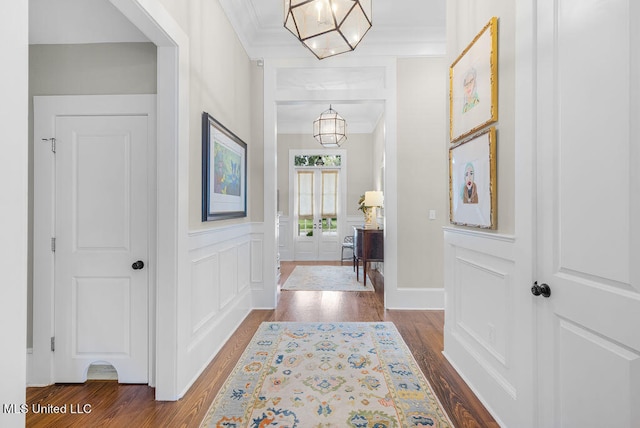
[(401, 28)]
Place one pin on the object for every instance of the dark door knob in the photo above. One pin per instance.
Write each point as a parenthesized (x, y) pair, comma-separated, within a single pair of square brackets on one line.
[(137, 265), (542, 289)]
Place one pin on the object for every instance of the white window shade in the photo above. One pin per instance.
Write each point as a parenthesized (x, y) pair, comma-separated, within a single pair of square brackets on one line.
[(305, 194), (329, 193)]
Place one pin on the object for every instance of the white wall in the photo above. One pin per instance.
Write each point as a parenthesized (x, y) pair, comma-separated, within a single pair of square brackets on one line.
[(223, 260), (13, 216), (488, 313)]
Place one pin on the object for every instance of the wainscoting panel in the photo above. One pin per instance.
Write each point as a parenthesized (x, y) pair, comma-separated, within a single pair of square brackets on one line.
[(225, 263), (285, 241), (244, 266), (480, 337), (257, 267), (480, 279), (358, 221), (205, 301), (228, 275)]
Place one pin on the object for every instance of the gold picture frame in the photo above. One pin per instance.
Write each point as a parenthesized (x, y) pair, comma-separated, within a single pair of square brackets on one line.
[(473, 84), (472, 181)]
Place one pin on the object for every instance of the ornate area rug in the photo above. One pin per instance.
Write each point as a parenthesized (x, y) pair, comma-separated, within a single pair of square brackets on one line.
[(325, 278), (313, 375)]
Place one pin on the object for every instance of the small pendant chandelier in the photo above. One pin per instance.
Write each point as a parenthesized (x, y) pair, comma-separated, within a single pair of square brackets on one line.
[(328, 27), (330, 129)]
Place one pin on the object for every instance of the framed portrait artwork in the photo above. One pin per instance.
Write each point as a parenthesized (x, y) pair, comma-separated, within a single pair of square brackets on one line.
[(472, 181), (473, 84), (224, 172)]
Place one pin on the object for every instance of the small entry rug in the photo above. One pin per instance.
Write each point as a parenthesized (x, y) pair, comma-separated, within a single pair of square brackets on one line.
[(312, 375), (325, 278)]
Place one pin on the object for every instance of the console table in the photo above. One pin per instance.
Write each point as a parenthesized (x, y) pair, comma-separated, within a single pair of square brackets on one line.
[(369, 247)]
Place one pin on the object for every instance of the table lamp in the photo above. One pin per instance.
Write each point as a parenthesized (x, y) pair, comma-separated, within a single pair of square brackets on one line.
[(372, 200)]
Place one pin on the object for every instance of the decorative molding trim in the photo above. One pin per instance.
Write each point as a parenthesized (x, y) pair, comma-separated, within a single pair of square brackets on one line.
[(479, 234), (213, 258), (244, 266), (257, 268), (482, 267), (487, 260), (285, 243), (212, 338), (228, 271), (206, 237), (226, 317), (485, 367), (503, 277)]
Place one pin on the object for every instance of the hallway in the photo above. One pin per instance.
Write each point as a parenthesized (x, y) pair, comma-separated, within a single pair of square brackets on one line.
[(116, 405)]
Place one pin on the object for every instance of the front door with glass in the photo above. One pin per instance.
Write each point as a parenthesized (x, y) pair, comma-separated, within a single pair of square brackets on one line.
[(317, 192)]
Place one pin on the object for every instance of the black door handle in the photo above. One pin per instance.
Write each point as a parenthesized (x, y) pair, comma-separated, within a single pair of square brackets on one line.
[(137, 265), (542, 289)]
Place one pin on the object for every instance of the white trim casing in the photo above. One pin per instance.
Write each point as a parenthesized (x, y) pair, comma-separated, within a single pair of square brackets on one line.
[(274, 96), (14, 175)]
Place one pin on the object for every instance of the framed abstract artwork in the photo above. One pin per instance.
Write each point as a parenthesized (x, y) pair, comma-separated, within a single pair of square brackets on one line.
[(472, 181), (473, 85), (224, 172)]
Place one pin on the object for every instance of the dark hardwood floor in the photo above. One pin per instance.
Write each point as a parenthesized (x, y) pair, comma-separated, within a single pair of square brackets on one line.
[(115, 405)]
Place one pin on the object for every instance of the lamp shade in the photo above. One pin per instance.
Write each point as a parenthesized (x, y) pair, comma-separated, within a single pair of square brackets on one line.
[(373, 198), (328, 27), (330, 129)]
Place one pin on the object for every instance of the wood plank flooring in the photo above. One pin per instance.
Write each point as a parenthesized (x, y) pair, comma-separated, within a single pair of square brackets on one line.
[(115, 405)]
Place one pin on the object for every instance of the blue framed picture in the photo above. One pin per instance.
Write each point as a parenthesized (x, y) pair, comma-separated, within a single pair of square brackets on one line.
[(224, 172)]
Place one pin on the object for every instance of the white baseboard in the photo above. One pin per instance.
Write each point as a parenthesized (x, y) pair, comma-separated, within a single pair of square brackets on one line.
[(474, 390), (415, 299)]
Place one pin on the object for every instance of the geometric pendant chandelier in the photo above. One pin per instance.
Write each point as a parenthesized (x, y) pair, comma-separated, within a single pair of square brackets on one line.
[(330, 129), (328, 27)]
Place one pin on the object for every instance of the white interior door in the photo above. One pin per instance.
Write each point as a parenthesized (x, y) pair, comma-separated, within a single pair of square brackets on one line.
[(589, 240), (101, 217), (316, 196)]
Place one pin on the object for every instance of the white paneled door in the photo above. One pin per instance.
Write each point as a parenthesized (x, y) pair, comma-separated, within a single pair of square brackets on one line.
[(319, 222), (101, 249), (588, 210)]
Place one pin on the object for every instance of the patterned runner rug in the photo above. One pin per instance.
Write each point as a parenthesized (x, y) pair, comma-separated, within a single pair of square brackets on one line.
[(325, 278), (313, 375)]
